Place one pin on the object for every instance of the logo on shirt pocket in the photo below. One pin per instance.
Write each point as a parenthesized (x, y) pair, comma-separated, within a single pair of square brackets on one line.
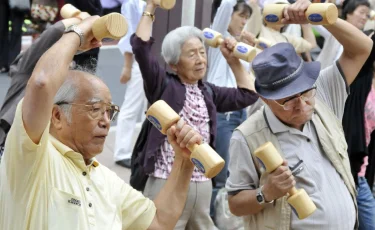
[(74, 201)]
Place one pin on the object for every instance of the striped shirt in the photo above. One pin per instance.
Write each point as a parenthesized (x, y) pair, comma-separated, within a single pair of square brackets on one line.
[(195, 114)]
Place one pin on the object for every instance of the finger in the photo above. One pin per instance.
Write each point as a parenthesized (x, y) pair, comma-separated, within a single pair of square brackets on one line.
[(284, 176), (280, 170), (183, 132), (187, 138), (285, 163), (180, 124), (171, 134), (286, 14), (196, 139)]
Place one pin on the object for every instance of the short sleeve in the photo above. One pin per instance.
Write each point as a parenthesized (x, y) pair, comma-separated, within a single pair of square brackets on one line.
[(138, 211), (242, 171), (333, 89)]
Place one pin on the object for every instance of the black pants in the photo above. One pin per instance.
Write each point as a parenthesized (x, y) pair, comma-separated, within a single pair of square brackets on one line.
[(10, 45)]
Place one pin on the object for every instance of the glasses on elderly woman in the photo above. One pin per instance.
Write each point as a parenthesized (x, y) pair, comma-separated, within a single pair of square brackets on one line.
[(304, 96), (97, 110)]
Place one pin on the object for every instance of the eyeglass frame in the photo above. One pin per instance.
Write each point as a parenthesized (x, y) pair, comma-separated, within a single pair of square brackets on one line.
[(300, 97), (116, 109)]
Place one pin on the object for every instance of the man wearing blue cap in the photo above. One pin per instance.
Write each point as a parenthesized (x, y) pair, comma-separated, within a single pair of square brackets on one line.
[(302, 116)]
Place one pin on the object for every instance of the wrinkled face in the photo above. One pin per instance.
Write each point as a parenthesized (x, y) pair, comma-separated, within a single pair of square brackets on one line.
[(238, 22), (87, 131), (192, 64), (359, 16), (299, 110)]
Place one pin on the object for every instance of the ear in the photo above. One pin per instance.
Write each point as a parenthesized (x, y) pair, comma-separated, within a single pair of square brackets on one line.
[(174, 67), (57, 118)]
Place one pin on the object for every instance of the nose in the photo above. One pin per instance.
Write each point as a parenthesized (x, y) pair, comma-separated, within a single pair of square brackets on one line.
[(300, 104), (105, 121)]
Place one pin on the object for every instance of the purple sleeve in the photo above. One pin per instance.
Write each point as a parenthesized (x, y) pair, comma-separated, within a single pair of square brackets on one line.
[(230, 99), (152, 73)]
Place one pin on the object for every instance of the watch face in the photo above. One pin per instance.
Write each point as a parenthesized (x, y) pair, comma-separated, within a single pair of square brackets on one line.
[(259, 198)]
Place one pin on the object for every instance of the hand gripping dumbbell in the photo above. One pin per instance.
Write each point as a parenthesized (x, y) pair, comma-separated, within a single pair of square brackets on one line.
[(241, 50), (316, 14), (299, 200), (109, 26), (162, 116)]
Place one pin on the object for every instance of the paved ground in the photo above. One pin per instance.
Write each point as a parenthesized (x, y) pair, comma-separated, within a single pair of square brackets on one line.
[(109, 69)]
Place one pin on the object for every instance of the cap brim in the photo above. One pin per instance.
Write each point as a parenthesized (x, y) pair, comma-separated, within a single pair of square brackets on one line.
[(308, 76)]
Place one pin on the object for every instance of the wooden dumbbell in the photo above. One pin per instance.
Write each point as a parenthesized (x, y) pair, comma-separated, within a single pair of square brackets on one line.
[(270, 160), (241, 50), (165, 4), (263, 43), (316, 14), (112, 25), (162, 116)]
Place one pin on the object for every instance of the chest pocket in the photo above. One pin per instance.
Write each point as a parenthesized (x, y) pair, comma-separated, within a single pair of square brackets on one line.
[(304, 178), (64, 210)]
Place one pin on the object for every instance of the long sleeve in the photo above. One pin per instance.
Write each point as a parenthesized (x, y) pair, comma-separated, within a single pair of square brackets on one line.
[(152, 73), (223, 16), (230, 99)]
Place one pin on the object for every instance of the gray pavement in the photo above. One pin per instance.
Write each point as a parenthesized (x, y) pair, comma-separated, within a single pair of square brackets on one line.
[(109, 69)]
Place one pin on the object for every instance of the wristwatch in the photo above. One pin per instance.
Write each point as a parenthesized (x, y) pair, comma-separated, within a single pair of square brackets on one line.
[(260, 197), (78, 31), (152, 16)]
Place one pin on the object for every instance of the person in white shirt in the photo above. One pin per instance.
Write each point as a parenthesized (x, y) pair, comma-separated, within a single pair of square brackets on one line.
[(229, 19), (135, 100)]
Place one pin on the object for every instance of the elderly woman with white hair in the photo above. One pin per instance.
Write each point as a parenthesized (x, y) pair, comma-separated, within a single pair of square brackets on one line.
[(196, 102)]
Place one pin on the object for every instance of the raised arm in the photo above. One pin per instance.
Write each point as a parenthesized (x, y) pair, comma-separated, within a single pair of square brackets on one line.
[(223, 16), (49, 74), (357, 46), (51, 35), (153, 75)]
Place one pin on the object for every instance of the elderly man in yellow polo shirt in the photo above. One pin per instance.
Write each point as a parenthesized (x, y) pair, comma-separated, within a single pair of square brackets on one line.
[(50, 179)]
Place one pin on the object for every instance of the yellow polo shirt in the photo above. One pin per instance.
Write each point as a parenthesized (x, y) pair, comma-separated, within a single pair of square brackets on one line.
[(49, 186)]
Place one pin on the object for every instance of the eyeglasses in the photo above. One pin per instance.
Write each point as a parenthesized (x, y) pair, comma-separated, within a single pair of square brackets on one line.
[(304, 96), (97, 110)]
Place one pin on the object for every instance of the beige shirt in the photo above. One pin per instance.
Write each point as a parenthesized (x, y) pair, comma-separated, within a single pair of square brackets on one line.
[(49, 186)]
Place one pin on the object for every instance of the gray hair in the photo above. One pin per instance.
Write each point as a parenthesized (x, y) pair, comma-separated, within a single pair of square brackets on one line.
[(174, 40), (66, 93), (69, 90)]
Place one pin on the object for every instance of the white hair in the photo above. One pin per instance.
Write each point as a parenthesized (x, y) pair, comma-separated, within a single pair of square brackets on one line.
[(174, 40), (66, 93)]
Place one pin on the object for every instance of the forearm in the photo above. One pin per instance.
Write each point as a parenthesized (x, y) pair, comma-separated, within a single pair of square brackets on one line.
[(128, 60), (308, 35), (244, 203), (145, 25), (47, 77), (355, 42), (243, 78), (171, 200)]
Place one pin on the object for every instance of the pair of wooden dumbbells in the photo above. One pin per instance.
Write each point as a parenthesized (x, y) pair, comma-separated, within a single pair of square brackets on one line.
[(162, 116)]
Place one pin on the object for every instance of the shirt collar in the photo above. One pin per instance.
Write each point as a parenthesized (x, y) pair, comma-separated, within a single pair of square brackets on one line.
[(64, 150)]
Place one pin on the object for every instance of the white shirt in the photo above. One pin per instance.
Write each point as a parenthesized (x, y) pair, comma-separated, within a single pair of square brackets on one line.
[(132, 10), (332, 49), (219, 72)]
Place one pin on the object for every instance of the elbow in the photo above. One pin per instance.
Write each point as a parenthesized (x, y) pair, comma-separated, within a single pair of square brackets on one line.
[(234, 207), (38, 82)]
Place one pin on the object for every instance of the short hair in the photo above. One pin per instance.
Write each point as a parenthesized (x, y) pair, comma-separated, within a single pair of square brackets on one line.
[(174, 40), (240, 5), (69, 90), (349, 6)]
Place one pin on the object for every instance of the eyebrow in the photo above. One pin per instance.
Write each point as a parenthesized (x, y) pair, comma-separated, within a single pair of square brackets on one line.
[(96, 100)]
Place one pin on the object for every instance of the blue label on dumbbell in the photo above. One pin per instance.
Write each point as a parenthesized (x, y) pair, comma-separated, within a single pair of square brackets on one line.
[(198, 164), (271, 18), (261, 163), (155, 122), (208, 35), (242, 49), (263, 45), (315, 17)]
